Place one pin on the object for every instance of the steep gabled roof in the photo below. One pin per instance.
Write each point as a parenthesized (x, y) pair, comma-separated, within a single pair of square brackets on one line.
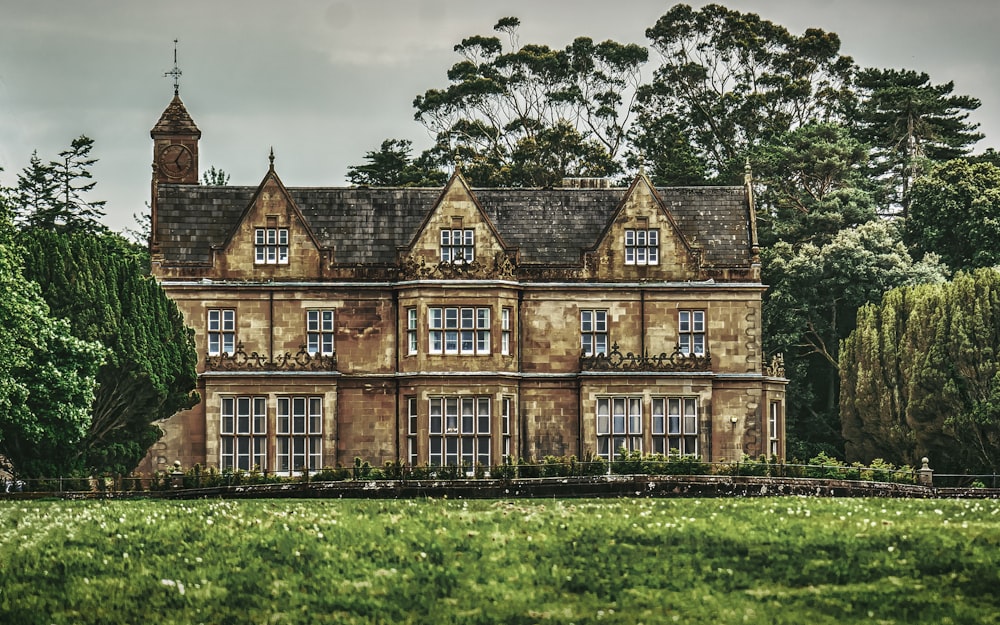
[(367, 225)]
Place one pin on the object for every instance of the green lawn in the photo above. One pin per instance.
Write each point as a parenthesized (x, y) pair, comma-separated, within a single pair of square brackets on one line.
[(790, 560)]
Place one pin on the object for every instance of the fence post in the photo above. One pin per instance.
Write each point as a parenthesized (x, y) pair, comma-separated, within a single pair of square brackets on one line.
[(177, 476), (925, 475)]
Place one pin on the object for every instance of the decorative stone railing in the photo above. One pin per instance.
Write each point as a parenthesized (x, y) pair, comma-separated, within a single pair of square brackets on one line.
[(240, 360), (615, 360)]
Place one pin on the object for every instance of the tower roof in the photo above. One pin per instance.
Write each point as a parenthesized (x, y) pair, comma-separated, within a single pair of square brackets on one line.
[(175, 121)]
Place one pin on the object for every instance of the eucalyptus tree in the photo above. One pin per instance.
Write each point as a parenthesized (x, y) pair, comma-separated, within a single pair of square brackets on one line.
[(728, 81), (533, 104)]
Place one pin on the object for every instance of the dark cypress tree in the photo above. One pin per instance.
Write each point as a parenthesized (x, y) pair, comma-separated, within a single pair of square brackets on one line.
[(100, 283)]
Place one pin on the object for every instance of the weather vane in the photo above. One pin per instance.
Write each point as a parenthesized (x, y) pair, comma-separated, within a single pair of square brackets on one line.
[(175, 72)]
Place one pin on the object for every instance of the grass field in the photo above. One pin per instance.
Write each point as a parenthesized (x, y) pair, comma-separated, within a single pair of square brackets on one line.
[(791, 560)]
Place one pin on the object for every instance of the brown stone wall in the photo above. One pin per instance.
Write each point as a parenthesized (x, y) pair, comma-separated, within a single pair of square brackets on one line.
[(549, 418)]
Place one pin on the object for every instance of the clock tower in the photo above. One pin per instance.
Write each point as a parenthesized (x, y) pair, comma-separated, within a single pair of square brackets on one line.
[(175, 150), (175, 145)]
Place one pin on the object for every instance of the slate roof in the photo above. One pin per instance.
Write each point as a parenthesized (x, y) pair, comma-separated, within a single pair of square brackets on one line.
[(175, 120), (366, 225)]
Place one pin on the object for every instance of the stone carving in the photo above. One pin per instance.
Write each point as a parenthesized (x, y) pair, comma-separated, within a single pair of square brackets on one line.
[(775, 368), (502, 267), (240, 360), (615, 360)]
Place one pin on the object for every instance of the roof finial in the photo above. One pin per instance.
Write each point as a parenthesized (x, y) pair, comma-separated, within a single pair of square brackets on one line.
[(175, 72), (747, 172), (270, 158)]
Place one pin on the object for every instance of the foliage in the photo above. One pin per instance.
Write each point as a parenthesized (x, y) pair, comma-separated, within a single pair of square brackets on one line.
[(920, 376), (909, 123), (754, 561), (955, 213), (729, 81), (815, 292), (100, 284), (529, 114), (392, 166), (53, 196), (47, 377), (809, 185), (214, 177)]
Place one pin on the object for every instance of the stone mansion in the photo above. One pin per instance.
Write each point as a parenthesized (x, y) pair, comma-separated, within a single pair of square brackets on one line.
[(459, 325)]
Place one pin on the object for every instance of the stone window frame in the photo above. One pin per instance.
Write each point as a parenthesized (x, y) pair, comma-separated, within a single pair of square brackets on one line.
[(298, 433), (460, 431), (459, 330), (243, 432), (594, 331), (619, 424), (221, 330), (320, 330), (458, 245), (642, 246), (692, 331), (270, 246)]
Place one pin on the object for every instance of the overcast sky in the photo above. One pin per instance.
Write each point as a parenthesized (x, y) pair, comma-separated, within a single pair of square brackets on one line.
[(325, 81)]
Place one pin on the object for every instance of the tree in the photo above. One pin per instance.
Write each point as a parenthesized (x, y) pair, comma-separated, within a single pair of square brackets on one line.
[(100, 284), (729, 80), (955, 213), (392, 166), (214, 177), (53, 196), (921, 376), (74, 180), (47, 376), (36, 194), (815, 292), (910, 123), (526, 101), (810, 185)]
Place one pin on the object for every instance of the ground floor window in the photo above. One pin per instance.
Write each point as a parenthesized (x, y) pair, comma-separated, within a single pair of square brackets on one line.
[(774, 430), (459, 431), (619, 426), (243, 431), (672, 425), (299, 429)]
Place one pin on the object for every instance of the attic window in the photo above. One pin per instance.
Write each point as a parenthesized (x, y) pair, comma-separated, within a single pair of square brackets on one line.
[(642, 247), (458, 246), (271, 246)]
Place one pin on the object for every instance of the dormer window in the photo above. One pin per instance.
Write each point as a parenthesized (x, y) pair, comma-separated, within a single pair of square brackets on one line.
[(458, 246), (642, 247), (271, 246)]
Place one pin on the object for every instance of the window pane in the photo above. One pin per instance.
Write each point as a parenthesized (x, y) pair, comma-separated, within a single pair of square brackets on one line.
[(468, 415), (227, 416), (618, 416), (259, 415), (451, 415), (283, 415), (483, 426), (298, 415), (315, 415), (635, 416), (435, 416), (603, 416)]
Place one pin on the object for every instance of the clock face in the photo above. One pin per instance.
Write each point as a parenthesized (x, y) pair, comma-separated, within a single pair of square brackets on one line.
[(176, 160)]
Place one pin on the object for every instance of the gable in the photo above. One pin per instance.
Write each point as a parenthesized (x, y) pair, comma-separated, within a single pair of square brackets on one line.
[(270, 240), (642, 241), (456, 231)]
